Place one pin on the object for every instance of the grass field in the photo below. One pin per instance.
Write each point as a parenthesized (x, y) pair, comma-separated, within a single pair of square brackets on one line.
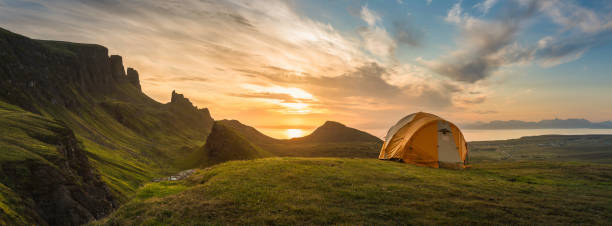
[(585, 148), (292, 191)]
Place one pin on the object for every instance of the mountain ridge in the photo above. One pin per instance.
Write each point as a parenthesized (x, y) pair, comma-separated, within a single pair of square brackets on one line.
[(318, 135), (332, 139)]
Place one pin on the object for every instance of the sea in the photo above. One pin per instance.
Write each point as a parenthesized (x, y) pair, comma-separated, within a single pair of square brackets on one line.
[(504, 134)]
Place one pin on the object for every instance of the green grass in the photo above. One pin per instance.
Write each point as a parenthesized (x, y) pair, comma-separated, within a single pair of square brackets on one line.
[(13, 210), (26, 136), (160, 190), (586, 148), (332, 149), (292, 191)]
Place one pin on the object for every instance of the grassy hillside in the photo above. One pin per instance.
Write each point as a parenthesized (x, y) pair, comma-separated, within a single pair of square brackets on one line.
[(44, 170), (128, 138), (366, 192)]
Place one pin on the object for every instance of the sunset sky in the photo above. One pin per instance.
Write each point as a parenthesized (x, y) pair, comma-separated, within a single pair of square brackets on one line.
[(279, 65)]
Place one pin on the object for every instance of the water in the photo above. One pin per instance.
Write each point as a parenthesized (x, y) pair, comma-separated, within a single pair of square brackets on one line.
[(504, 134)]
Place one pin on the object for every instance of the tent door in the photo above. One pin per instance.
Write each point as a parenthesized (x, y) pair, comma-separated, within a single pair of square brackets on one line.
[(447, 149)]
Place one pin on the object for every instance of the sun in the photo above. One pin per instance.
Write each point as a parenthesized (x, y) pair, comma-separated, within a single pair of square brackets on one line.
[(293, 133)]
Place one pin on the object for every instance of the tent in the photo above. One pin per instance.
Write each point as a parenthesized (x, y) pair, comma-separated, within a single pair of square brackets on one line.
[(427, 140)]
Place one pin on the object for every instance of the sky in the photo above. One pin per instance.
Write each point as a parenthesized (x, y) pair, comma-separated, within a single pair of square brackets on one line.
[(286, 67)]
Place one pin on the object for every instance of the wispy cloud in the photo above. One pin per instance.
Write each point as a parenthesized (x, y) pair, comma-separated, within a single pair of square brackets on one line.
[(486, 45), (485, 5), (376, 39)]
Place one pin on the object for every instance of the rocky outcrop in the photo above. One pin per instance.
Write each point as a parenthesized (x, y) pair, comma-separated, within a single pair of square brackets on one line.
[(224, 144), (133, 78), (183, 108), (116, 64), (179, 100)]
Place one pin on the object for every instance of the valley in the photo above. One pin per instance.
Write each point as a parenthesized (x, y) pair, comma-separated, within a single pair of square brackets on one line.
[(80, 143)]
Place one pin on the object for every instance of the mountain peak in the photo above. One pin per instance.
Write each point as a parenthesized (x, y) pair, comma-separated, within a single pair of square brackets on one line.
[(247, 131), (332, 124), (225, 144), (332, 131), (180, 99)]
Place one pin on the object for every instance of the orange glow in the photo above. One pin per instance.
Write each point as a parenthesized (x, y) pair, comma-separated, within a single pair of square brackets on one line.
[(293, 133)]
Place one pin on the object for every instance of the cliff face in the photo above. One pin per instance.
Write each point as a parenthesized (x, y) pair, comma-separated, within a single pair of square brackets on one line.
[(133, 78), (42, 161), (36, 74), (77, 135)]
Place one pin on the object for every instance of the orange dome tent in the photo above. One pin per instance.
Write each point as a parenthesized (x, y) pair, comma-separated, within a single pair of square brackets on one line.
[(427, 140)]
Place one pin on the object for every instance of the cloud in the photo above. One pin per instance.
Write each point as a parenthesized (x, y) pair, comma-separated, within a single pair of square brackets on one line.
[(370, 17), (581, 29), (253, 34), (253, 60), (376, 39), (551, 53), (405, 33), (276, 96), (363, 81), (487, 45), (485, 112), (572, 16), (485, 6), (160, 78), (372, 87)]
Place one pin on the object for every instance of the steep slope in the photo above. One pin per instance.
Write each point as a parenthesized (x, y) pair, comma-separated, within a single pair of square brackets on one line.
[(330, 191), (125, 135), (336, 132), (45, 170), (225, 144)]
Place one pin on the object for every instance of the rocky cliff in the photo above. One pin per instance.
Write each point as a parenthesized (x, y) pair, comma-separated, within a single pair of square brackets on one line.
[(78, 136), (37, 74), (42, 161)]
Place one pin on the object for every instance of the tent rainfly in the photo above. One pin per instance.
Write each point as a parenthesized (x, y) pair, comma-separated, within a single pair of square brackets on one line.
[(427, 140)]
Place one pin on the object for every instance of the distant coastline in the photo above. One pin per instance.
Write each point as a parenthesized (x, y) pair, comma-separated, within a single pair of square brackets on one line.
[(543, 124)]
